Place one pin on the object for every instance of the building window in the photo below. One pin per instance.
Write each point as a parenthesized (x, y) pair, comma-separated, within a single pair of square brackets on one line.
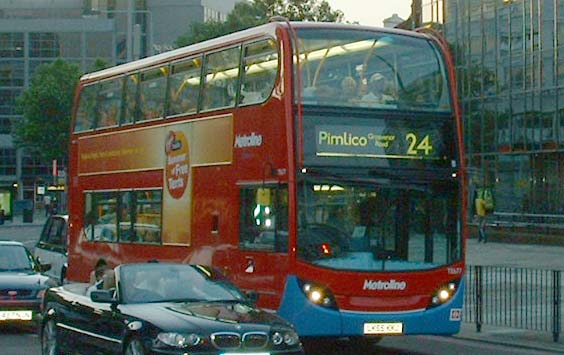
[(7, 161), (432, 11), (5, 125), (32, 167), (11, 45), (8, 101), (44, 45), (35, 63), (11, 73)]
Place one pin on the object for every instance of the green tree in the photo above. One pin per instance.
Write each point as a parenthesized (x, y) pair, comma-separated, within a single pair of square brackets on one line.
[(46, 106), (249, 14)]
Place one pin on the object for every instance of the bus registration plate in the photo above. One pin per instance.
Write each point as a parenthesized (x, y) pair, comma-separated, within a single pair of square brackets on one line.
[(383, 328), (15, 315)]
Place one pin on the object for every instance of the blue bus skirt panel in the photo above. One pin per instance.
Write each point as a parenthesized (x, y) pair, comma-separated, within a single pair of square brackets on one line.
[(313, 320)]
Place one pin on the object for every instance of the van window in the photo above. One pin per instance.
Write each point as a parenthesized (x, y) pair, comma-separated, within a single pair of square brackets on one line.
[(55, 231)]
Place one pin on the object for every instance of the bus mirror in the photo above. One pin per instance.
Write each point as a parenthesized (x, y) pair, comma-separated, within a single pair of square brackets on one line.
[(263, 197)]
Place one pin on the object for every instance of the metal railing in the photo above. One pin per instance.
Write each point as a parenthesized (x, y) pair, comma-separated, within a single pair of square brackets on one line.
[(527, 220), (514, 297)]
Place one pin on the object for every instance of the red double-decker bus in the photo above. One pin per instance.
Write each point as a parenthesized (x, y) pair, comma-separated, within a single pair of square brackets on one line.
[(319, 165)]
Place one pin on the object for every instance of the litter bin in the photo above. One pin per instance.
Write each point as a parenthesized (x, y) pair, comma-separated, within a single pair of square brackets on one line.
[(28, 215)]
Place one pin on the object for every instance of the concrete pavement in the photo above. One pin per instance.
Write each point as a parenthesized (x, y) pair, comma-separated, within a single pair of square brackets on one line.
[(39, 219), (534, 256)]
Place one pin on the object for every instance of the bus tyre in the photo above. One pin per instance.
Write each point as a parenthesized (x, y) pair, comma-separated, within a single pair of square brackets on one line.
[(134, 347), (49, 341)]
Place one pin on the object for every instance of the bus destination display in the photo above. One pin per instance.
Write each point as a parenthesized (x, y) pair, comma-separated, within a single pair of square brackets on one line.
[(398, 142)]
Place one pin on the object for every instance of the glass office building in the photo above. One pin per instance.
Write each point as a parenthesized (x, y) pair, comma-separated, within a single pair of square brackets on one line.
[(510, 65)]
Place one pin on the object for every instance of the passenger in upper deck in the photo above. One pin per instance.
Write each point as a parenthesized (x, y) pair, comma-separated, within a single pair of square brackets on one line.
[(349, 90), (378, 92)]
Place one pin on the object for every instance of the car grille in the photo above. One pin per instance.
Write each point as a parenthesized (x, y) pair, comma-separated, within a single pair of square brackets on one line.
[(230, 341), (255, 340), (19, 294)]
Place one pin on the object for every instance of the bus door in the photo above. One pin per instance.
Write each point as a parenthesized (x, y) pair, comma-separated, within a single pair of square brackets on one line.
[(262, 259)]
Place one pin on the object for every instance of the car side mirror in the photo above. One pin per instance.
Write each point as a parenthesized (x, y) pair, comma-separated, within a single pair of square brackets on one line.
[(44, 267), (103, 296), (252, 295)]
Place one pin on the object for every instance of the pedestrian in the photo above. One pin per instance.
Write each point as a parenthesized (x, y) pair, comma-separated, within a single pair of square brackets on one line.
[(480, 206), (47, 204), (54, 206)]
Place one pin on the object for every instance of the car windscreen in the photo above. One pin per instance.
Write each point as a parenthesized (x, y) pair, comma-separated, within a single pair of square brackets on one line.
[(162, 282), (15, 258)]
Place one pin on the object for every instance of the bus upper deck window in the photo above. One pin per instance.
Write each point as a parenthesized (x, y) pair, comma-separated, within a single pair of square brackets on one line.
[(109, 102), (86, 112), (185, 86), (130, 99), (152, 93), (260, 69), (220, 79)]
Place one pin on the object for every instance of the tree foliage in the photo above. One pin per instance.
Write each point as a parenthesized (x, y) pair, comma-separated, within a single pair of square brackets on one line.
[(249, 14), (46, 106)]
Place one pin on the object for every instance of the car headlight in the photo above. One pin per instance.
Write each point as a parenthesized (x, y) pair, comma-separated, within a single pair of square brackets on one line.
[(285, 337), (444, 293), (318, 294), (180, 340)]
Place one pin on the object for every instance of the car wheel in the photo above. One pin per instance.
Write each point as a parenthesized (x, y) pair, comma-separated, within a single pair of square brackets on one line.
[(134, 347), (49, 342)]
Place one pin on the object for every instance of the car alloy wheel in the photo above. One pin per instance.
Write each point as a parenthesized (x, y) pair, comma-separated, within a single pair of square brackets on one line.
[(134, 347), (49, 343)]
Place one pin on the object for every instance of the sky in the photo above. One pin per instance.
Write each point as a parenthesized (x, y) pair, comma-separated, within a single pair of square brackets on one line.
[(371, 12)]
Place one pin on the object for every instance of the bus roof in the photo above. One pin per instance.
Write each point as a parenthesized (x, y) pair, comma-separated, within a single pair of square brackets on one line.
[(248, 34)]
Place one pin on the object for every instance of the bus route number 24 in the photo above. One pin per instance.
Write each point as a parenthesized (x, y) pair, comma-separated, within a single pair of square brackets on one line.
[(418, 146)]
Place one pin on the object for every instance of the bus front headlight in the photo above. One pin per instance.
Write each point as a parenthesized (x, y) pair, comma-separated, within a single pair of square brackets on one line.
[(444, 293), (318, 294)]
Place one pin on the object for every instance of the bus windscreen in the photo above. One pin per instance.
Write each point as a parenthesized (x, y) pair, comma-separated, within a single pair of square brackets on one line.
[(359, 68)]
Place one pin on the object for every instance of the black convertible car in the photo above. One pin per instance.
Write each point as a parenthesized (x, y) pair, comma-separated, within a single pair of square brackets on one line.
[(161, 308)]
